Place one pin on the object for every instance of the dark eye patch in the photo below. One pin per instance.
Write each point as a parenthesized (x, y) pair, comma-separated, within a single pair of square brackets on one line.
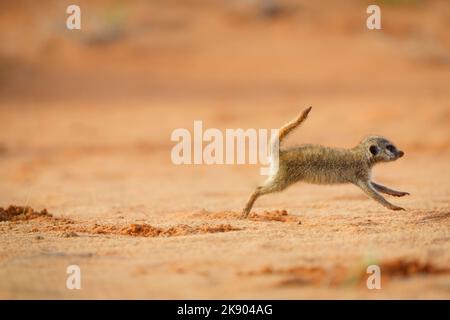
[(391, 148), (373, 150)]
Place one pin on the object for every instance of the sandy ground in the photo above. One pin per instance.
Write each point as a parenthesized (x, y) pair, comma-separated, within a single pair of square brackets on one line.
[(86, 135)]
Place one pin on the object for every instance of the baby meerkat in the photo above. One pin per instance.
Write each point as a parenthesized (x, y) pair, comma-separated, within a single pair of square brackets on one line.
[(324, 165)]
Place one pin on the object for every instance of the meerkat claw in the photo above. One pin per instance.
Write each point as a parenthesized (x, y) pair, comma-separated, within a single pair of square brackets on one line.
[(402, 194), (244, 215)]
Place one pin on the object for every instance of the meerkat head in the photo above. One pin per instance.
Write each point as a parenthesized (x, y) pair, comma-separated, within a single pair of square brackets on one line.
[(379, 149)]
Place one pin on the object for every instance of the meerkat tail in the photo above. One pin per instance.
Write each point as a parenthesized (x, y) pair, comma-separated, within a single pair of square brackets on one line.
[(288, 128)]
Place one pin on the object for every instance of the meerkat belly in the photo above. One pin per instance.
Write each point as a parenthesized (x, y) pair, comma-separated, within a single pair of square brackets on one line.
[(323, 175), (319, 165)]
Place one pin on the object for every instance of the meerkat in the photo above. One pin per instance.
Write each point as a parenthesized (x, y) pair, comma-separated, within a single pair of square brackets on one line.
[(324, 165)]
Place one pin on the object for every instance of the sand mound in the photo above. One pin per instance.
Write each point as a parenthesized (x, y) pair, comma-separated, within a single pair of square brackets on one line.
[(277, 215), (19, 213), (145, 230), (404, 268), (204, 214), (140, 230), (70, 228)]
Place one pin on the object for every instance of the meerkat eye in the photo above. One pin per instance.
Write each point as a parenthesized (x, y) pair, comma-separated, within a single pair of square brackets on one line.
[(391, 148), (373, 150)]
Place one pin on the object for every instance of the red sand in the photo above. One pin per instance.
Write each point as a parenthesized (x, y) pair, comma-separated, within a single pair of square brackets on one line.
[(86, 120)]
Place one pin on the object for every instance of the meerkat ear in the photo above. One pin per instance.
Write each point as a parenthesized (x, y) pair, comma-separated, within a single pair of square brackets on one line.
[(374, 150)]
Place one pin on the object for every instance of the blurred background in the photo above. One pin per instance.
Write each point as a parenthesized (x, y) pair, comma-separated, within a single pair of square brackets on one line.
[(218, 49)]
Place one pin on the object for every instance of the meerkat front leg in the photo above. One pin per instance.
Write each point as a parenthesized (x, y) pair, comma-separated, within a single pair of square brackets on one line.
[(367, 187), (386, 190)]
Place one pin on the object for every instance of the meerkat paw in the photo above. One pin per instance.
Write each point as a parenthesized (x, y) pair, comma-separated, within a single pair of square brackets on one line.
[(396, 208), (244, 214)]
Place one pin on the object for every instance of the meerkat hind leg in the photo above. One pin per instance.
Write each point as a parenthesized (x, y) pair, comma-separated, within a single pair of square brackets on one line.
[(271, 185), (250, 202), (389, 191), (372, 193)]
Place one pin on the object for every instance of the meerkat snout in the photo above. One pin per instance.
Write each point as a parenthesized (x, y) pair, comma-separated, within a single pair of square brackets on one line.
[(325, 165)]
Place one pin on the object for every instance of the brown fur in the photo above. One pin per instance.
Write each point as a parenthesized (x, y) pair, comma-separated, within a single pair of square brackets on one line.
[(324, 165)]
